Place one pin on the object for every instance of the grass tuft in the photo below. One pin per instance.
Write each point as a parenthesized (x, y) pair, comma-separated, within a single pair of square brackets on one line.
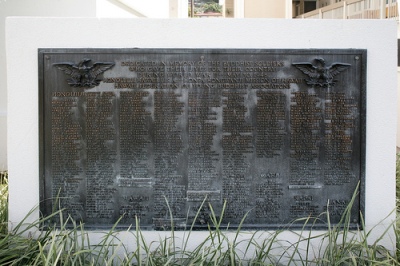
[(69, 243), (3, 202)]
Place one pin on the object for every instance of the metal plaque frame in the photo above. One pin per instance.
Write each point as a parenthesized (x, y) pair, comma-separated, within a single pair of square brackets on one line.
[(170, 135)]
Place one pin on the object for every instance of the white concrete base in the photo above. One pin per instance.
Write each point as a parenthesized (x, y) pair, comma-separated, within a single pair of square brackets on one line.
[(25, 35)]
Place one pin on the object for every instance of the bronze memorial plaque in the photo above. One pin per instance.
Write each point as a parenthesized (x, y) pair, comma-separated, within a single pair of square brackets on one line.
[(276, 135)]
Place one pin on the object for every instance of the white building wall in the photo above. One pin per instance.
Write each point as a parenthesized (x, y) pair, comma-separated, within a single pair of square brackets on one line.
[(25, 35), (264, 9)]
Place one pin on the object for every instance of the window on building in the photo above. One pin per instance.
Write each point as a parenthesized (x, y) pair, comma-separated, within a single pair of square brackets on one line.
[(309, 6)]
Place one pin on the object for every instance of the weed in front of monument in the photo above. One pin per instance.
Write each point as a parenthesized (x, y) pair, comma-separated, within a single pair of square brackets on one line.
[(398, 181), (3, 202), (70, 244)]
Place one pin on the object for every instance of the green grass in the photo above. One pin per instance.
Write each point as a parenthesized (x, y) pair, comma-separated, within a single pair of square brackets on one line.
[(398, 181), (3, 202), (61, 246)]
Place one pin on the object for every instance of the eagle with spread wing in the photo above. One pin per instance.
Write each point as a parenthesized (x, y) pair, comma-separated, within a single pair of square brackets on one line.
[(82, 75), (320, 74)]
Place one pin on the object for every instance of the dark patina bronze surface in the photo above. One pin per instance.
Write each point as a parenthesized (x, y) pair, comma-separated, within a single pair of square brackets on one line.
[(149, 133)]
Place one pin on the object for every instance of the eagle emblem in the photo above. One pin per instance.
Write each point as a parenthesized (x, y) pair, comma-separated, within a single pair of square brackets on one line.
[(319, 74), (83, 75)]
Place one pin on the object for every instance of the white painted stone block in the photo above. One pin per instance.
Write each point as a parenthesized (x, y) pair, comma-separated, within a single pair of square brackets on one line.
[(25, 35)]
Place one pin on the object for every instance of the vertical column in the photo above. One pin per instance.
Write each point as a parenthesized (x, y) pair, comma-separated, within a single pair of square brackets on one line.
[(101, 155), (270, 142), (203, 162), (305, 122), (271, 114), (135, 176), (236, 144), (339, 126), (65, 148), (168, 155), (238, 8), (134, 136)]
